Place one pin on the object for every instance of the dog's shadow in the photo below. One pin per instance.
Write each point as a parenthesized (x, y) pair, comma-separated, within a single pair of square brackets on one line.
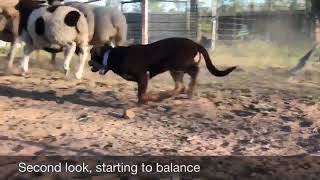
[(162, 95), (80, 97), (156, 97)]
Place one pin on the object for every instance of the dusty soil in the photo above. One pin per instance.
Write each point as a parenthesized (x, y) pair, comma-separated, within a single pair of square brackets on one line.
[(250, 112)]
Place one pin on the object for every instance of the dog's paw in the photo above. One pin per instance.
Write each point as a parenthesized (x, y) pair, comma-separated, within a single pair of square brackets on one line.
[(142, 101)]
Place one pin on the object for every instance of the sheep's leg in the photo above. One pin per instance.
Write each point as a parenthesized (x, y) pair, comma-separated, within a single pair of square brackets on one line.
[(27, 51), (10, 50), (83, 59), (69, 52), (53, 58), (12, 53)]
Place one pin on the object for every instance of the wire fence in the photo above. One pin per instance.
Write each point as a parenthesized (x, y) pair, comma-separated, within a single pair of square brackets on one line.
[(278, 26)]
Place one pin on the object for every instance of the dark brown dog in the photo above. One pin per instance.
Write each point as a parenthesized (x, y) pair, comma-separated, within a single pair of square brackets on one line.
[(140, 63)]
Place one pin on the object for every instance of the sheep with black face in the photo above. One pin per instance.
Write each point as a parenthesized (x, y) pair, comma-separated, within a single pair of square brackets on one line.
[(57, 28)]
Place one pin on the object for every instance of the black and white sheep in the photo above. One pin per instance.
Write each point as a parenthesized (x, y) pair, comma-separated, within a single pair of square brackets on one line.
[(57, 28), (53, 29)]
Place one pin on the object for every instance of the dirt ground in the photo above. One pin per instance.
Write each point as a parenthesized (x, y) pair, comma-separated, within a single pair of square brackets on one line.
[(250, 112)]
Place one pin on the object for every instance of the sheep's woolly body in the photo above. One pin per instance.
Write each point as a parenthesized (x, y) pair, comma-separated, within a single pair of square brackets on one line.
[(55, 28), (57, 32), (88, 11), (38, 41), (114, 21), (105, 24)]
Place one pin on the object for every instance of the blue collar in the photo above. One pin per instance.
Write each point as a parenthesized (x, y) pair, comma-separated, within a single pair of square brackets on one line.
[(106, 58)]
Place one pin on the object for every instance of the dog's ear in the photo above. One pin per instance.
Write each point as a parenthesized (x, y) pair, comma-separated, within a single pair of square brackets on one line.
[(97, 51), (106, 46), (40, 26), (72, 18), (93, 50)]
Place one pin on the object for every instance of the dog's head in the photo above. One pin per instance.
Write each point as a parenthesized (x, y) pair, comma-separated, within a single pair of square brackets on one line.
[(98, 61)]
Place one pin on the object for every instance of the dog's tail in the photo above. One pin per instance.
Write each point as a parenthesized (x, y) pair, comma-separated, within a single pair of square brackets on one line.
[(212, 69)]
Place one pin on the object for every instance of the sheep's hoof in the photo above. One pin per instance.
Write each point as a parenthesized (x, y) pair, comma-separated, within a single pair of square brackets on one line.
[(10, 69), (25, 74), (53, 62), (78, 75), (10, 66), (67, 75)]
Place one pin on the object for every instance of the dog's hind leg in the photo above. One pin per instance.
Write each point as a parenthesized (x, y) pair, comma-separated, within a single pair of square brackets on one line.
[(178, 80), (83, 60), (193, 71), (69, 52)]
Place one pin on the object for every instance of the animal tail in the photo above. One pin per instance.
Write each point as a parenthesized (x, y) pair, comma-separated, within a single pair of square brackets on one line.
[(212, 69)]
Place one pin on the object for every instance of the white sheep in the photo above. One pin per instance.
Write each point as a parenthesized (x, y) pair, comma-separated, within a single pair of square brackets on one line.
[(107, 25)]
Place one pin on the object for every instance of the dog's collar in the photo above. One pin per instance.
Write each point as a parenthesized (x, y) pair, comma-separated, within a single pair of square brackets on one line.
[(106, 58), (105, 61)]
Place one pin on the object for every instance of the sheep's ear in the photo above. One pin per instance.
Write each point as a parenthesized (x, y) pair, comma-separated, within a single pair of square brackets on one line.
[(72, 18), (40, 26)]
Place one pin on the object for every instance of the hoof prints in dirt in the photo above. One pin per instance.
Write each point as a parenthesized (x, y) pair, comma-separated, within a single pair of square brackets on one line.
[(236, 116)]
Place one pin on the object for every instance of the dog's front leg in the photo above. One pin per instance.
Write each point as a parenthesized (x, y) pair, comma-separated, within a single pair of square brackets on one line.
[(69, 52), (27, 51), (143, 81), (83, 60)]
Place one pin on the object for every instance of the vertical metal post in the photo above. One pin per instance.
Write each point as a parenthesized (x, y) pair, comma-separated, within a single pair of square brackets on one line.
[(144, 21), (214, 24)]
